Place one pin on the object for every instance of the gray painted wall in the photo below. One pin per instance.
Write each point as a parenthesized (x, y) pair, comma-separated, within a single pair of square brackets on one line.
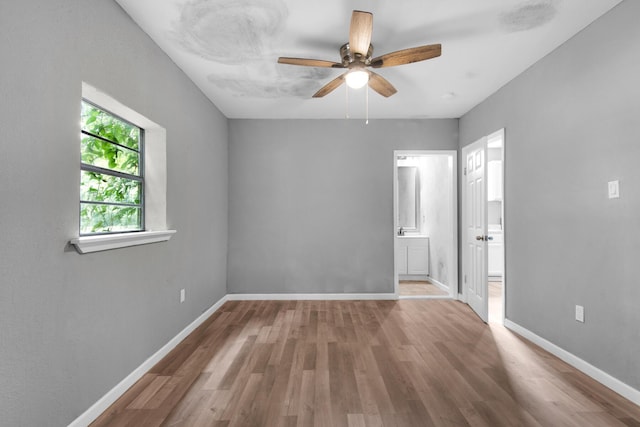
[(73, 326), (312, 202), (572, 125)]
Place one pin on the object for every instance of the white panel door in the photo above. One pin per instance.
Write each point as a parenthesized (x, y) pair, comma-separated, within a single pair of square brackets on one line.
[(475, 274)]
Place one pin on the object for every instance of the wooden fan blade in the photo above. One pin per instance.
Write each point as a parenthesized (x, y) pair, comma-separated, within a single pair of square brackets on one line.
[(407, 56), (381, 85), (329, 87), (360, 32), (309, 62)]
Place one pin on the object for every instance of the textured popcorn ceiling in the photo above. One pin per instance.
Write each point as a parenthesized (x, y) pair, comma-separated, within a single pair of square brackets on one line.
[(229, 48)]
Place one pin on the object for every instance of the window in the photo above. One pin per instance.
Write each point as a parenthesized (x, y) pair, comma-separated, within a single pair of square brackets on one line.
[(112, 178), (123, 193)]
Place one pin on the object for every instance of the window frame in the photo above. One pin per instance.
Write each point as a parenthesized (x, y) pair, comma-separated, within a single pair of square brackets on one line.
[(104, 171), (155, 158)]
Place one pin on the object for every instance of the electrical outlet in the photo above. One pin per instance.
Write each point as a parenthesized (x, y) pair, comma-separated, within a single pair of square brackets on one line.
[(614, 189), (580, 313), (182, 295)]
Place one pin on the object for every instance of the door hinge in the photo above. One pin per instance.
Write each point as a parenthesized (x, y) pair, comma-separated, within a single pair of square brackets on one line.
[(465, 171), (465, 278)]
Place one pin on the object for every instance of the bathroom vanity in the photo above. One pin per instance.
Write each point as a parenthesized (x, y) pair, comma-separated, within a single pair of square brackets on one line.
[(412, 257), (495, 248)]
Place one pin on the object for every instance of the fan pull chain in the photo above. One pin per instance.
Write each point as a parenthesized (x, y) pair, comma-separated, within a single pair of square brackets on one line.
[(367, 104)]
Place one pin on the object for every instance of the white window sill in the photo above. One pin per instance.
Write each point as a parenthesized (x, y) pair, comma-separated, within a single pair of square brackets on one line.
[(88, 244)]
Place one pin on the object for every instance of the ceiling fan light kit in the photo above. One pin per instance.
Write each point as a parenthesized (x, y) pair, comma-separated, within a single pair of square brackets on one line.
[(356, 56), (357, 78)]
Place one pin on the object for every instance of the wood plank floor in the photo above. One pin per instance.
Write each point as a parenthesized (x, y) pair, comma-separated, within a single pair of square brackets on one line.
[(362, 363), (495, 302), (416, 287)]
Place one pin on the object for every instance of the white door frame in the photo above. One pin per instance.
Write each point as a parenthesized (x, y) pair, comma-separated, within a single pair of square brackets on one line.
[(453, 269), (464, 207)]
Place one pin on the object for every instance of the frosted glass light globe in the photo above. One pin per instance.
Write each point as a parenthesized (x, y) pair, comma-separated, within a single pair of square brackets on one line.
[(357, 78)]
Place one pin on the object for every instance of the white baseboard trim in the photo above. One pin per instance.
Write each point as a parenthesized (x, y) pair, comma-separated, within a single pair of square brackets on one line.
[(307, 297), (439, 284), (597, 374), (112, 395), (461, 297)]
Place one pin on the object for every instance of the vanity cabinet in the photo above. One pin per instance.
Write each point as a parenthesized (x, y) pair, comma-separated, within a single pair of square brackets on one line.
[(495, 248), (412, 257)]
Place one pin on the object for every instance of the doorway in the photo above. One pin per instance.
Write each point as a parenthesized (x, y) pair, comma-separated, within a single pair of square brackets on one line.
[(483, 225), (495, 229), (425, 224)]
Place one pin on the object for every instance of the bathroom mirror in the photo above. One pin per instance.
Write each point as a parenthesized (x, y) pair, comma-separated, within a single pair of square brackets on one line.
[(408, 197)]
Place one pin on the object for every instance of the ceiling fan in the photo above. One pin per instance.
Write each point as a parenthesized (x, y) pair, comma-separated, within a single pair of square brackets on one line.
[(357, 56)]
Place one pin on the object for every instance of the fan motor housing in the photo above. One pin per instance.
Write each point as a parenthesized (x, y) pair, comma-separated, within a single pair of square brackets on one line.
[(348, 57)]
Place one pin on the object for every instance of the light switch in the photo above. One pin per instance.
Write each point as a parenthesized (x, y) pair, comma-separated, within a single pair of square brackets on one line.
[(580, 313), (614, 189), (182, 295)]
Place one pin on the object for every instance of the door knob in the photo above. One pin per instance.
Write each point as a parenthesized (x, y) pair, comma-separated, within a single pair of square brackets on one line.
[(485, 238)]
